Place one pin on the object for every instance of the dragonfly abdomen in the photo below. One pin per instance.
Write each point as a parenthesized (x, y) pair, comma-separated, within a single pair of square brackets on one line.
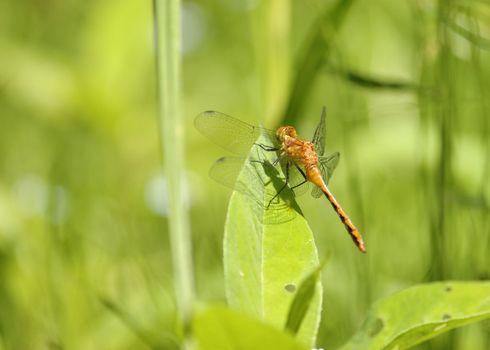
[(349, 225), (313, 174)]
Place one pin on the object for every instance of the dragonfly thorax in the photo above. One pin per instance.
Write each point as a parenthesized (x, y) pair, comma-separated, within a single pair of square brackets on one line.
[(299, 151)]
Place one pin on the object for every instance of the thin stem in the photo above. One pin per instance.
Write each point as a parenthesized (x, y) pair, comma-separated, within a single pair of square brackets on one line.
[(167, 40)]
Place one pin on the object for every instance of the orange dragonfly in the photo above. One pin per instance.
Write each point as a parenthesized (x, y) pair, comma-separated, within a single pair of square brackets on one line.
[(302, 161)]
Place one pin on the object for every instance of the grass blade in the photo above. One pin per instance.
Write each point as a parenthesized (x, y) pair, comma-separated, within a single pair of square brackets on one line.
[(168, 39)]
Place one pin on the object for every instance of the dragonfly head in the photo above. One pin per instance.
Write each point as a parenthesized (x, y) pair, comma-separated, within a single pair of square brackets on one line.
[(286, 131)]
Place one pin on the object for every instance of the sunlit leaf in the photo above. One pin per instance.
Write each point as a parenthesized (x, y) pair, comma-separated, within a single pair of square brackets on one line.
[(420, 313), (268, 249)]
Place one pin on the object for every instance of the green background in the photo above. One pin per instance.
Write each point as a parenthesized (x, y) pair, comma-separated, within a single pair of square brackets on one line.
[(84, 251)]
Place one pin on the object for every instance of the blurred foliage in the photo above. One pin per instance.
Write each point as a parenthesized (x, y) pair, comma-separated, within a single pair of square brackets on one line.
[(83, 241), (422, 312)]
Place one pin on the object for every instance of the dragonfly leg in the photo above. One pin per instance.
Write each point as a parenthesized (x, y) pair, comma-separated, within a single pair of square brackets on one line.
[(283, 186), (274, 163), (278, 159), (270, 149), (267, 148), (304, 176)]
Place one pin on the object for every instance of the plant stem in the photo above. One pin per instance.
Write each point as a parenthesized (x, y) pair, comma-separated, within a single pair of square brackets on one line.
[(168, 39)]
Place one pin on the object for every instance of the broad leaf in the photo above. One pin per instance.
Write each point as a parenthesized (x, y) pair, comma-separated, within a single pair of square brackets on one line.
[(268, 249), (420, 313), (220, 328)]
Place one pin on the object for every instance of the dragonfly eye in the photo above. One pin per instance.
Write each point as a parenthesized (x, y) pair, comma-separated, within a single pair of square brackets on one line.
[(286, 131)]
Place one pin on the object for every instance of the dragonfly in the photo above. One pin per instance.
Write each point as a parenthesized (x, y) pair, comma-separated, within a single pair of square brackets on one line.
[(302, 161)]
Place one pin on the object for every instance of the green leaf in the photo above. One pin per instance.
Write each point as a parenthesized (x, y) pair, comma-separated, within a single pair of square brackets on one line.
[(220, 328), (302, 300), (420, 313), (268, 250)]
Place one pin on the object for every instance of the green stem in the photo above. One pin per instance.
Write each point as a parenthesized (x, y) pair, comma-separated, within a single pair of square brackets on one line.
[(167, 39)]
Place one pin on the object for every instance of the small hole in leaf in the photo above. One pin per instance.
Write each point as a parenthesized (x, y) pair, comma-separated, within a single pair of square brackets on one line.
[(446, 317), (291, 288), (376, 327), (448, 289)]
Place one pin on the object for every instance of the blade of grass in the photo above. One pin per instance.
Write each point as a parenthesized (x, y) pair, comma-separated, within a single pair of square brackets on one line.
[(445, 120), (167, 40), (312, 57)]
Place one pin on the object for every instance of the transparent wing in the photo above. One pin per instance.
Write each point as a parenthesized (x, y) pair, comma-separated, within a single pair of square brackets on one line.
[(327, 166), (230, 133), (319, 136), (226, 169), (240, 174)]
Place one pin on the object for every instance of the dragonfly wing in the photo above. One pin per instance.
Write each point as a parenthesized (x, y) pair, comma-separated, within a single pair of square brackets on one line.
[(230, 133), (316, 192), (239, 174), (319, 136), (327, 167), (226, 169)]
